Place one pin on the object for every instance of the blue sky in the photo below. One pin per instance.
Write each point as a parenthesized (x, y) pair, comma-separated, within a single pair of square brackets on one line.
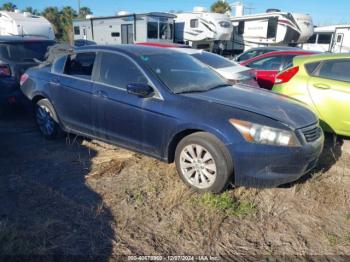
[(323, 12)]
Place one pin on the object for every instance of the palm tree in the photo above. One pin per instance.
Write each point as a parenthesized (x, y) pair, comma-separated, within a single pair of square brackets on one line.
[(9, 7), (53, 15), (220, 6), (67, 15), (84, 11)]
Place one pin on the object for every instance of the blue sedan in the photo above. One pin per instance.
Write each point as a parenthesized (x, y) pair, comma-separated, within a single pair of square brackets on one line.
[(170, 106)]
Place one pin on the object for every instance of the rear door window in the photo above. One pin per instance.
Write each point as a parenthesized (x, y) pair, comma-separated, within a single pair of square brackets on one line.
[(80, 65), (267, 63), (119, 71), (335, 70)]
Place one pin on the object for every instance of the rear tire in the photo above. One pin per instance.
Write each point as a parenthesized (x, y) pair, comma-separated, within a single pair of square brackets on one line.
[(204, 163), (47, 120)]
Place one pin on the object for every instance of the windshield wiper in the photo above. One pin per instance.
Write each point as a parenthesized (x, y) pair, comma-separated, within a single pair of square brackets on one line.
[(218, 86), (191, 91)]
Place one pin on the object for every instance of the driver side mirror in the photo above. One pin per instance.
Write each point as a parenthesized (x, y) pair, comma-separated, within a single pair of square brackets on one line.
[(140, 89)]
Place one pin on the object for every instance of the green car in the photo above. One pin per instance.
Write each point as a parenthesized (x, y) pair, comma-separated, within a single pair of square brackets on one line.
[(323, 83)]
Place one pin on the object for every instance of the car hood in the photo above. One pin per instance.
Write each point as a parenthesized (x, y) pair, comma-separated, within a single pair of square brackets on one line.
[(278, 107)]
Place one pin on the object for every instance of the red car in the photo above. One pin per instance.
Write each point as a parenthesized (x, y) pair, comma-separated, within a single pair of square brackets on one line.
[(268, 65)]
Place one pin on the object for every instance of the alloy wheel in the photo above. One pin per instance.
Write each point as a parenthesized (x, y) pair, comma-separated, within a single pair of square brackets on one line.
[(198, 166), (45, 120)]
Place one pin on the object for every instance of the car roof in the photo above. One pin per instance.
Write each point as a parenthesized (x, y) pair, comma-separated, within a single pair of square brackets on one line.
[(274, 48), (189, 51), (12, 39), (321, 57), (131, 49), (289, 52), (163, 44)]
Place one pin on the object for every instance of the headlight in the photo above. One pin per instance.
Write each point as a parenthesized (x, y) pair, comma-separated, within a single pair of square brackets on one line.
[(260, 134)]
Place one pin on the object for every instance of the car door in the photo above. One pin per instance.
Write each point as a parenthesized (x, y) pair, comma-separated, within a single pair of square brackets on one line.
[(267, 69), (122, 117), (329, 87), (71, 91)]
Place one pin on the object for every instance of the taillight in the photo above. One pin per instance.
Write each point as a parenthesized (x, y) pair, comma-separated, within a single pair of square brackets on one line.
[(5, 70), (24, 78), (286, 75)]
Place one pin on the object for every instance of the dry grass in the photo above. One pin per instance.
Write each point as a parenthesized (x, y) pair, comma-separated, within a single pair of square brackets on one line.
[(113, 202)]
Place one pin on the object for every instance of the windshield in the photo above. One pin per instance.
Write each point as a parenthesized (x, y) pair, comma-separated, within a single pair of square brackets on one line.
[(182, 73), (24, 51), (213, 60)]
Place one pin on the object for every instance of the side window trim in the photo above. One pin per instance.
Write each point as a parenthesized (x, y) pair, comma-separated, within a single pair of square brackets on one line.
[(95, 75)]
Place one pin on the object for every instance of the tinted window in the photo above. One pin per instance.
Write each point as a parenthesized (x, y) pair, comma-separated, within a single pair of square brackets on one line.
[(325, 38), (250, 54), (58, 65), (339, 38), (241, 28), (24, 51), (336, 70), (310, 68), (76, 30), (182, 73), (213, 60), (267, 63), (288, 61), (312, 39), (165, 30), (194, 23), (272, 27), (80, 65), (119, 71), (152, 30)]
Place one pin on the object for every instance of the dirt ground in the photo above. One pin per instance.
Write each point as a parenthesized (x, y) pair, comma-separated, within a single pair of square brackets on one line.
[(78, 197)]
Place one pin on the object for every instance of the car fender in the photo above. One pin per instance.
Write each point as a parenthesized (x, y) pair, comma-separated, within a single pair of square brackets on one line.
[(185, 129)]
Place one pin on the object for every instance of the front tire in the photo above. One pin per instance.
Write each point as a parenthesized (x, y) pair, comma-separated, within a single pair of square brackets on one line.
[(204, 163), (47, 120)]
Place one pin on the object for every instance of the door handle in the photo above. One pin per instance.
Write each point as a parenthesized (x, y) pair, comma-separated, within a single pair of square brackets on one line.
[(100, 93), (55, 81), (321, 86)]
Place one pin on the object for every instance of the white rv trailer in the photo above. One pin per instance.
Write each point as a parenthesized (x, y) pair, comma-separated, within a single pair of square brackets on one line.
[(25, 24), (333, 38), (271, 28), (201, 29), (126, 28)]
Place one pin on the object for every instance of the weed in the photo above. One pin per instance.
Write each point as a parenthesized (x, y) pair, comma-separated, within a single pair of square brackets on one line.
[(225, 203), (332, 239), (347, 217)]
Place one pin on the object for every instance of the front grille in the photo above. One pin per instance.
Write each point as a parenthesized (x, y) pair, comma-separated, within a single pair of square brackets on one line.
[(312, 133)]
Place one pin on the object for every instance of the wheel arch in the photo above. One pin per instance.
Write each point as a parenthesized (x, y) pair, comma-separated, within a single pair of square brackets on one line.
[(37, 97), (184, 132)]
